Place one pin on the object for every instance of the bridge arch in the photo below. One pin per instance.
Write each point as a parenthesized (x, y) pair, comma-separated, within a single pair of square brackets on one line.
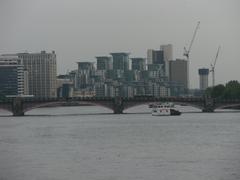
[(129, 105), (31, 106), (227, 105), (6, 109)]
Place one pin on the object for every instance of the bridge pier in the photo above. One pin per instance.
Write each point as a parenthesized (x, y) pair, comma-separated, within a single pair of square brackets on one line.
[(17, 107), (207, 109), (208, 105), (118, 105)]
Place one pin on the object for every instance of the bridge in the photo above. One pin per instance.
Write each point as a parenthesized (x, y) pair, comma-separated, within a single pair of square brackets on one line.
[(19, 105)]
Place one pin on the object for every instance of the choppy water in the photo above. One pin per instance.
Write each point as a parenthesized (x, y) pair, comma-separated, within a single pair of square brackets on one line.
[(90, 143)]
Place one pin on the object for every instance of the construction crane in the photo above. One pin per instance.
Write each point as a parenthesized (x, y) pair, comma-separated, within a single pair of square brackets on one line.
[(212, 70), (187, 51)]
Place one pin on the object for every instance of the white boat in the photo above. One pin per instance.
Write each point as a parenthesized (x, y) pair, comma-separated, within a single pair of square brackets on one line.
[(164, 109)]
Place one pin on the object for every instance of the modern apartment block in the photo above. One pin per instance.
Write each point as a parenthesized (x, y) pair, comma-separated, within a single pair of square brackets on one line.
[(120, 61), (11, 76), (104, 63), (85, 75), (139, 64), (114, 77), (158, 75), (42, 71)]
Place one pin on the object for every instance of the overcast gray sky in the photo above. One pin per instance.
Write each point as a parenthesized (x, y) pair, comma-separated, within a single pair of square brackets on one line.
[(79, 30)]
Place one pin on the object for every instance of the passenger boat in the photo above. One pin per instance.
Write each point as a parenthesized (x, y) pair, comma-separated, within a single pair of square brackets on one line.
[(164, 109)]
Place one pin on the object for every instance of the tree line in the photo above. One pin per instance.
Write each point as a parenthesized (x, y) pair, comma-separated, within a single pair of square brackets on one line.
[(229, 91)]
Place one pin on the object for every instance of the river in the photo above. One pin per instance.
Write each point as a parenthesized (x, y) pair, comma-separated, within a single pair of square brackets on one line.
[(91, 143)]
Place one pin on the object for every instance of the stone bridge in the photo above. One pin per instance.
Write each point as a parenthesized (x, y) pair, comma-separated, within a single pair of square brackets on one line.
[(19, 105)]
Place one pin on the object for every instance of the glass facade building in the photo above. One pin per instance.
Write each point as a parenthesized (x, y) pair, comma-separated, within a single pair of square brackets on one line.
[(11, 76)]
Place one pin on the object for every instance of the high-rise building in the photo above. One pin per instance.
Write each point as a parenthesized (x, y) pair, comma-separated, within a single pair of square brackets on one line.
[(155, 56), (42, 72), (167, 52), (179, 73), (167, 56), (139, 64), (11, 75), (120, 65), (203, 78), (85, 75), (104, 63), (150, 56), (120, 61), (26, 82)]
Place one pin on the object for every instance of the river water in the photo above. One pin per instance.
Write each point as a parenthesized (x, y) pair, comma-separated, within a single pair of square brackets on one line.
[(90, 143)]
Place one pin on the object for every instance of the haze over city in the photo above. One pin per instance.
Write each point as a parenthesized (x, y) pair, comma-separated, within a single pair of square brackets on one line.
[(109, 89), (81, 30)]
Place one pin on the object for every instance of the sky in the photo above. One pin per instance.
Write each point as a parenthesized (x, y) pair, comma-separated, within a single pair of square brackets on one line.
[(79, 30)]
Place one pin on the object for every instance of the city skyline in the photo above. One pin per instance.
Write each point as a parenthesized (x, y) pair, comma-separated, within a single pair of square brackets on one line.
[(80, 30)]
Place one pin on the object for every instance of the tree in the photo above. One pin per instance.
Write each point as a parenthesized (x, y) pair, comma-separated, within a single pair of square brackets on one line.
[(218, 91), (208, 92), (232, 89)]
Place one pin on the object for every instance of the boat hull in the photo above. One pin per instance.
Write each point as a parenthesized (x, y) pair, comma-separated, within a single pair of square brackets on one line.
[(175, 112), (165, 112)]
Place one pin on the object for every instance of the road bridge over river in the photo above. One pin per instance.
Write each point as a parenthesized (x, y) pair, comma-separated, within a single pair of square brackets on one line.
[(19, 105)]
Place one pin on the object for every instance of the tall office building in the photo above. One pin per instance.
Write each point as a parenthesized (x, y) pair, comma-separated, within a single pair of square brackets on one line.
[(203, 78), (155, 56), (167, 51), (139, 64), (11, 76), (42, 72), (178, 71), (167, 56)]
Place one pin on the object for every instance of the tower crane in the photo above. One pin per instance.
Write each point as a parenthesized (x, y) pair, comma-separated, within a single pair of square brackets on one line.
[(212, 70), (187, 51)]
